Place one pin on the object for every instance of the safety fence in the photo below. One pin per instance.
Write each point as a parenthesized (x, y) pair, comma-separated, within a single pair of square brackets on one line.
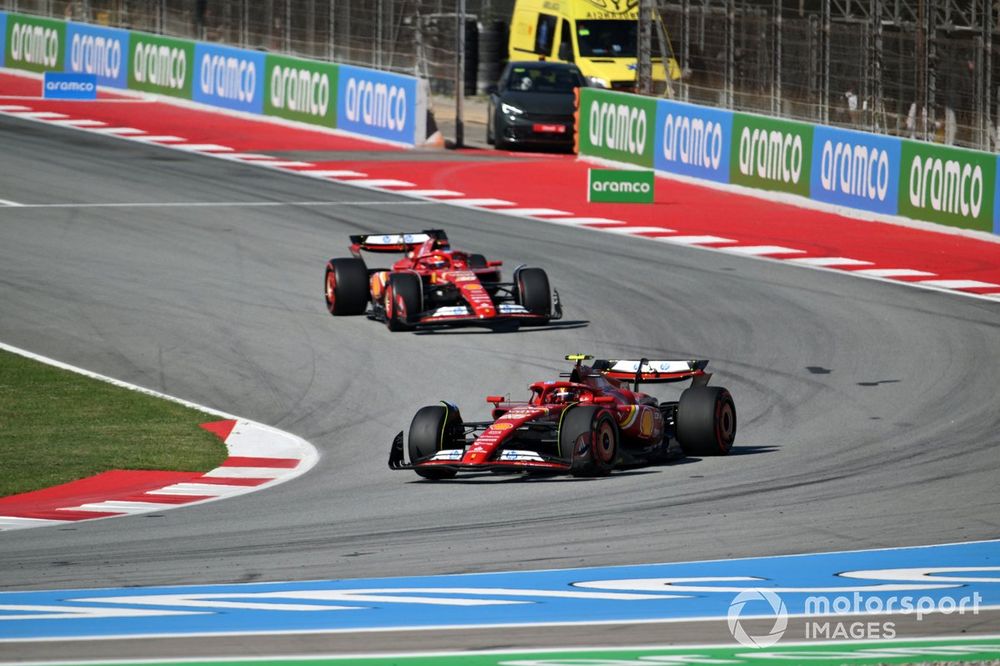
[(362, 101), (859, 170)]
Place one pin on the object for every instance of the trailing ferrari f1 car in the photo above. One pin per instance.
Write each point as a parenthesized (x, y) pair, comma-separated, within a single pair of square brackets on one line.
[(586, 424), (434, 285)]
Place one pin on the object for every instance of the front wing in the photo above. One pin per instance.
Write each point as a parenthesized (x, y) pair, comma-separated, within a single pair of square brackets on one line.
[(510, 461)]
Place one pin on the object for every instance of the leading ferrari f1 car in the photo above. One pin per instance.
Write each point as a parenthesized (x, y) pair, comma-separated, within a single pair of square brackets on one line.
[(434, 285), (585, 424)]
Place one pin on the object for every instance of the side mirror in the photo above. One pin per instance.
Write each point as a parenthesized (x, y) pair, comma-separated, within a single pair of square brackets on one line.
[(494, 399), (494, 263)]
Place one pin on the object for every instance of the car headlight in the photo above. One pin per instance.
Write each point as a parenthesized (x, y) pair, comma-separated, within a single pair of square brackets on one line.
[(597, 82), (510, 110)]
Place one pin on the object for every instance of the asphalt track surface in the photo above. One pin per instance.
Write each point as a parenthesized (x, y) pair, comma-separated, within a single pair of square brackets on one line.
[(868, 413)]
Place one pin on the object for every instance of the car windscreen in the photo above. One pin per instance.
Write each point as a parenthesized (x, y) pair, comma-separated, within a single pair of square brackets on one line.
[(543, 79), (607, 38)]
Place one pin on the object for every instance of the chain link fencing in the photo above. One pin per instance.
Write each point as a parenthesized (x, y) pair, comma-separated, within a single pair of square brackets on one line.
[(925, 69)]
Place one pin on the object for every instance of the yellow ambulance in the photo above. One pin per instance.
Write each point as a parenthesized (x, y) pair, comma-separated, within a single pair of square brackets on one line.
[(599, 36)]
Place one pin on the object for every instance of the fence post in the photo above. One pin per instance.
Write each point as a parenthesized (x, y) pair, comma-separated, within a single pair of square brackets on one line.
[(459, 73), (776, 75), (728, 91), (643, 62), (685, 46), (824, 36)]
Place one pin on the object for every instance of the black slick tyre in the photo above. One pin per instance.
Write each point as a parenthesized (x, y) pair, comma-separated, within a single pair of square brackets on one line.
[(706, 421), (533, 292), (404, 300), (345, 286), (588, 439), (432, 429)]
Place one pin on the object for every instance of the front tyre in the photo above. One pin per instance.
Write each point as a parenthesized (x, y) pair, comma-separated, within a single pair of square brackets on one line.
[(346, 286), (434, 428), (588, 439), (404, 300), (533, 292), (706, 421)]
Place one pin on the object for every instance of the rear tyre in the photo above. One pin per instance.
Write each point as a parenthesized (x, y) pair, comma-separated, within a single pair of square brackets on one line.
[(588, 439), (404, 300), (533, 293), (434, 428), (706, 421), (346, 286)]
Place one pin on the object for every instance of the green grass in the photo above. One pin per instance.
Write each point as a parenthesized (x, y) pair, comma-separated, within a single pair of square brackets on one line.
[(57, 426)]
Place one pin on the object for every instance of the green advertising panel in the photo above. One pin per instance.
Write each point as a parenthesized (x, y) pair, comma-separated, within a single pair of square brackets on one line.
[(771, 154), (161, 65), (947, 185), (301, 90), (617, 126), (611, 186), (35, 44)]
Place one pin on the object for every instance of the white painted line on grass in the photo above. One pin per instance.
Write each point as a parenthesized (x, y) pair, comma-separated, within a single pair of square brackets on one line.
[(761, 250), (893, 272), (959, 284), (537, 212), (695, 240), (829, 261)]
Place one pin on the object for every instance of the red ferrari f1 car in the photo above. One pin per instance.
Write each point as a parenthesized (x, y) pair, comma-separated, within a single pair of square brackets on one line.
[(586, 424), (434, 285)]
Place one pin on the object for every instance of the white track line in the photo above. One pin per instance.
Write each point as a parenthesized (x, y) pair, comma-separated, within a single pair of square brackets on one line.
[(584, 221), (481, 203), (42, 115), (638, 230), (761, 250), (537, 212), (228, 204), (15, 523), (12, 204), (205, 147), (119, 506), (329, 173), (246, 472), (892, 272), (79, 122), (829, 261), (119, 131), (249, 156), (959, 284), (198, 489), (695, 240), (435, 193), (162, 138), (284, 163), (13, 108), (382, 182)]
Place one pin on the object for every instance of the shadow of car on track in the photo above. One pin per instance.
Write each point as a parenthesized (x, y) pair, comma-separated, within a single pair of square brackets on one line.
[(501, 327), (638, 469)]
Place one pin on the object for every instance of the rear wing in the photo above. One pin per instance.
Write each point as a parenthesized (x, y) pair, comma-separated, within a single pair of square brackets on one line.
[(398, 242), (653, 372)]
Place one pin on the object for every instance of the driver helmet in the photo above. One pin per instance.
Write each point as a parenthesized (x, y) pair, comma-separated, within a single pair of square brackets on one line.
[(435, 261), (562, 396)]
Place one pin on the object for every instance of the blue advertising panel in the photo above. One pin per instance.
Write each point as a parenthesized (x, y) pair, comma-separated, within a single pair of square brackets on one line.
[(100, 51), (693, 140), (855, 169), (229, 77), (377, 104), (3, 37), (69, 85)]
